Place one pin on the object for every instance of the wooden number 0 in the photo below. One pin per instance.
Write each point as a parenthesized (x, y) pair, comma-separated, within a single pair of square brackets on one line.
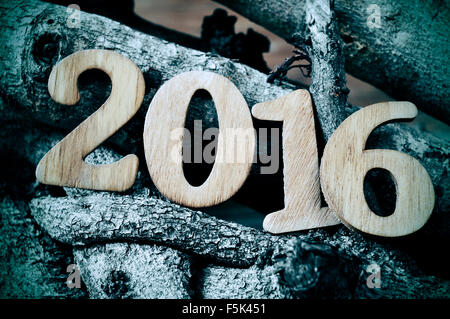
[(301, 165), (345, 164), (64, 165), (167, 113)]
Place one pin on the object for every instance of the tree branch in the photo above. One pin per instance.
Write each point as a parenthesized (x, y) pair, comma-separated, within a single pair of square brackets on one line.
[(321, 262), (323, 44), (26, 65), (276, 266), (123, 11), (405, 56)]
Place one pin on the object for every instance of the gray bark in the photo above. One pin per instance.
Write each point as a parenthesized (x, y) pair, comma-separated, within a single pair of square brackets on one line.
[(123, 12), (115, 236), (84, 220), (32, 265), (324, 47), (26, 64), (286, 266), (226, 260), (26, 67), (407, 56), (123, 270)]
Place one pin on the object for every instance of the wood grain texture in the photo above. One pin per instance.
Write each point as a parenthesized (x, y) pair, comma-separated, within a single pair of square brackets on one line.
[(163, 144), (63, 165), (90, 218), (345, 164), (301, 167)]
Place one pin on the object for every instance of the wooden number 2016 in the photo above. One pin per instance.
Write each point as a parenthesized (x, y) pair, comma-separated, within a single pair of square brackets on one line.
[(344, 165)]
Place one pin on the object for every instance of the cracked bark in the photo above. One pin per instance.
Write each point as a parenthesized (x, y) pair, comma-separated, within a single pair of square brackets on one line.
[(228, 260), (328, 86), (253, 264), (26, 68), (232, 261), (32, 264), (123, 11), (217, 34), (127, 270), (83, 220), (406, 56)]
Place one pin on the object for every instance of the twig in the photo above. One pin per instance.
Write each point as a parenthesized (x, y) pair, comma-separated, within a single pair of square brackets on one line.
[(282, 70)]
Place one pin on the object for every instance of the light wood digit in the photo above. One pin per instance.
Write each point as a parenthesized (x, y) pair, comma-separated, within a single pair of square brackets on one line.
[(64, 164), (163, 153), (345, 164), (301, 167)]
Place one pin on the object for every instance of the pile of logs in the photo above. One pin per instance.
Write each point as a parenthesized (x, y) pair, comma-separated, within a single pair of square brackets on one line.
[(137, 244)]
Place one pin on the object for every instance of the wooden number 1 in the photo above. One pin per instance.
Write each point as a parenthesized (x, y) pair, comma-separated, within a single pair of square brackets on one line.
[(345, 164), (63, 165), (301, 167)]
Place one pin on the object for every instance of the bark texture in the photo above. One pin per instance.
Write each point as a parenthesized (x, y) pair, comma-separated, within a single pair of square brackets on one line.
[(121, 240), (32, 265), (34, 45), (114, 234), (217, 36), (229, 260), (123, 270), (406, 53), (324, 47)]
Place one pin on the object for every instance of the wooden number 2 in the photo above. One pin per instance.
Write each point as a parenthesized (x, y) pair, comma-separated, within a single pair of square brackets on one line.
[(345, 164), (64, 165), (167, 113), (301, 167)]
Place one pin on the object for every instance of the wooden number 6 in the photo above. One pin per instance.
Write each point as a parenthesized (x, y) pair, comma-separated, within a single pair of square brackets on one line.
[(63, 165), (345, 164)]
